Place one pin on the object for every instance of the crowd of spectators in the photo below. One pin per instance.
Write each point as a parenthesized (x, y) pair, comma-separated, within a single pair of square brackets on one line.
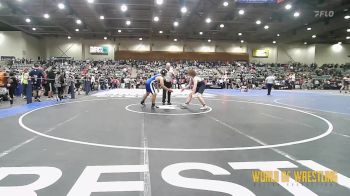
[(62, 77)]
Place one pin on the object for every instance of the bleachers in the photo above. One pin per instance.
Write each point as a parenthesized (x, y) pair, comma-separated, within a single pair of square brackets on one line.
[(213, 72)]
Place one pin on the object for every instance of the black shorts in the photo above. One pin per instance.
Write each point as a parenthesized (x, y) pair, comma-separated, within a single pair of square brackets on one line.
[(167, 84), (200, 88)]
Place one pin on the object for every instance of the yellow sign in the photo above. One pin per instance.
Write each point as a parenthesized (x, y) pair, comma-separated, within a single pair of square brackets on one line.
[(261, 53)]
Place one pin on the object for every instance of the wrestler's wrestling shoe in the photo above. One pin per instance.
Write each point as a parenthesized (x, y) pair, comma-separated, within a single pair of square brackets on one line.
[(204, 108)]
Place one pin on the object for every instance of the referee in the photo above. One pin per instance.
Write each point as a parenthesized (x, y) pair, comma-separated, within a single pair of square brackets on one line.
[(270, 80), (168, 83)]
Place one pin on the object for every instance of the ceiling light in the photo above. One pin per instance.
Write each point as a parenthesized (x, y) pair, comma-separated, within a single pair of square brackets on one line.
[(242, 41), (28, 20), (305, 43), (34, 29), (208, 20), (278, 34), (102, 17), (175, 40), (78, 21), (201, 33), (209, 40), (296, 14), (239, 34), (288, 6), (309, 28), (241, 12), (77, 30), (347, 17), (61, 6), (340, 43), (273, 42), (176, 24), (161, 32), (140, 38), (183, 9), (159, 2), (90, 1), (46, 16), (69, 37), (105, 38), (156, 19), (348, 30), (266, 27), (225, 3), (119, 31), (258, 22), (123, 8), (128, 22), (314, 36), (347, 37), (222, 26)]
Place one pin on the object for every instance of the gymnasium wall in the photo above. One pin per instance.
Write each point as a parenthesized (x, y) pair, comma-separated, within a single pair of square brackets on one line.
[(34, 47), (62, 47), (19, 44), (176, 56), (332, 53), (55, 46), (132, 45), (168, 46), (296, 53), (10, 44)]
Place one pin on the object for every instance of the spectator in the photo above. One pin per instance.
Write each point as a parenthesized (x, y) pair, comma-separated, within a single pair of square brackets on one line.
[(24, 82), (59, 82), (36, 78), (11, 86), (122, 81), (345, 83), (50, 82)]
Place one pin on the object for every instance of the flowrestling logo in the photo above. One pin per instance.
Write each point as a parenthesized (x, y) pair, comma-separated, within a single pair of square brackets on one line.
[(138, 93), (324, 13)]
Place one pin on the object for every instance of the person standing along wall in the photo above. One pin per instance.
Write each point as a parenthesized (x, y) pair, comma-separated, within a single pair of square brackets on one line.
[(24, 81), (36, 77), (59, 81), (345, 84), (11, 86), (93, 81), (51, 82)]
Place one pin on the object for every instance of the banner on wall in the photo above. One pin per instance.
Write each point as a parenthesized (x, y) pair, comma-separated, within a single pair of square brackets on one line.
[(7, 58), (261, 53), (103, 50)]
